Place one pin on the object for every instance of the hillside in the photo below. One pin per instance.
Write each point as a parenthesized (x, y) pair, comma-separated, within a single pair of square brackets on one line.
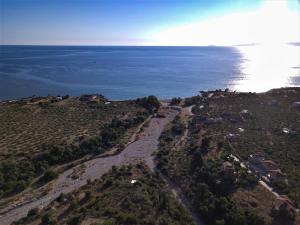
[(125, 196), (39, 134), (229, 158), (210, 155)]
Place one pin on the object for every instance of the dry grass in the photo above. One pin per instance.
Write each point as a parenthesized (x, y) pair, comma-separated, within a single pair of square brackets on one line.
[(260, 200), (24, 129), (269, 114), (115, 200)]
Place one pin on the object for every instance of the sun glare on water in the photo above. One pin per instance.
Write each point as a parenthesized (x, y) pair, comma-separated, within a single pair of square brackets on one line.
[(264, 67)]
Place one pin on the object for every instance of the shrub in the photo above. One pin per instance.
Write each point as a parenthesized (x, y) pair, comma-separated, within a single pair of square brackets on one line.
[(75, 220), (49, 175), (175, 101), (149, 102), (47, 220), (33, 212)]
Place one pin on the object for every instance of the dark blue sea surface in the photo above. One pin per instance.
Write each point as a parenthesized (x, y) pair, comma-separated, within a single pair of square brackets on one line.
[(116, 72)]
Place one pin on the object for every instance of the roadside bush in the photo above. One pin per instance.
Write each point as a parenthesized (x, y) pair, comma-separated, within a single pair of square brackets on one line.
[(33, 212), (49, 175), (47, 220), (149, 102), (15, 177), (75, 220), (175, 101)]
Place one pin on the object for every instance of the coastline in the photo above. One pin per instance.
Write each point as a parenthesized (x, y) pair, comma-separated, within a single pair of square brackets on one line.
[(29, 98)]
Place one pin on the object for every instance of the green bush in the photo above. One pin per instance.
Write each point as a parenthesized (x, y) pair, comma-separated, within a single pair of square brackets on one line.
[(33, 212), (49, 175), (149, 102), (47, 220), (175, 101)]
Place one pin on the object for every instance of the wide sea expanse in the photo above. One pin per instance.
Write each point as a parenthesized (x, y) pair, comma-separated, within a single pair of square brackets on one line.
[(130, 72)]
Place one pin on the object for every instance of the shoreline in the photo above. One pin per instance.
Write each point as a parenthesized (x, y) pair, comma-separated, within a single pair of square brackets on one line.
[(29, 98)]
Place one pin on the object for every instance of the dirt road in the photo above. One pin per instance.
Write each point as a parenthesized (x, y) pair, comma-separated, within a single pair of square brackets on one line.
[(142, 149), (182, 199)]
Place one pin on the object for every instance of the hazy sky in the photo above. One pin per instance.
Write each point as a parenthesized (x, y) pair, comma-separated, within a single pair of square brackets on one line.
[(148, 22)]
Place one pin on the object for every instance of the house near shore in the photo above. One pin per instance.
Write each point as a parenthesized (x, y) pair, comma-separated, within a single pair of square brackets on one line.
[(231, 136), (296, 105), (213, 120), (59, 98), (256, 158), (228, 170), (245, 114), (283, 206), (269, 165), (267, 169), (276, 175), (92, 98), (87, 98)]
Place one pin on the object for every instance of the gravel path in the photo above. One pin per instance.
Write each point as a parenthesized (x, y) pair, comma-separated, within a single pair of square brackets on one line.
[(182, 199), (142, 149)]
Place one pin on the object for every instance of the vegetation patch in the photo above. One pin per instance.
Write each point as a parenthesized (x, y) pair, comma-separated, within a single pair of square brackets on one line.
[(203, 181), (125, 196), (52, 133), (225, 124)]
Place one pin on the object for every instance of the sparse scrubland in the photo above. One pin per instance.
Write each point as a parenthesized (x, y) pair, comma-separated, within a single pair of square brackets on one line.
[(240, 124), (125, 196), (204, 152), (40, 134)]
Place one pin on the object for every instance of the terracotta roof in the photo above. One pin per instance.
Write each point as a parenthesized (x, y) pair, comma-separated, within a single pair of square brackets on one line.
[(259, 154), (227, 166), (283, 201), (270, 165), (276, 173)]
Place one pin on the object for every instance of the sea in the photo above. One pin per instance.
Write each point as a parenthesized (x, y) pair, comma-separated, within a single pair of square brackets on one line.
[(128, 72)]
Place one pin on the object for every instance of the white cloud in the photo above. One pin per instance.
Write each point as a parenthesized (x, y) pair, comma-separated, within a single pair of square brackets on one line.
[(273, 22)]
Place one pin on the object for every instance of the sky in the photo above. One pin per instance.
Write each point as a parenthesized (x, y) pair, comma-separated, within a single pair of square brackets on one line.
[(149, 22)]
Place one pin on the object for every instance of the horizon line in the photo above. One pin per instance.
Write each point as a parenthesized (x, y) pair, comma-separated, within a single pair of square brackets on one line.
[(87, 45), (120, 45)]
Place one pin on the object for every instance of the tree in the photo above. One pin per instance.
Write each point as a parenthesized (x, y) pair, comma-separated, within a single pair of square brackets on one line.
[(149, 102), (33, 212), (205, 143), (47, 220), (49, 175), (153, 101), (175, 101)]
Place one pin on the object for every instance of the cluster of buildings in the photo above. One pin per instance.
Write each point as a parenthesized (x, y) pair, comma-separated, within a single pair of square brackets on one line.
[(268, 170), (228, 170), (34, 100), (282, 206), (92, 98), (88, 98), (219, 93)]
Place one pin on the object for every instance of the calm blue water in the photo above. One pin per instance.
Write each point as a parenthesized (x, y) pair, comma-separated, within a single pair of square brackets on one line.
[(116, 72)]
